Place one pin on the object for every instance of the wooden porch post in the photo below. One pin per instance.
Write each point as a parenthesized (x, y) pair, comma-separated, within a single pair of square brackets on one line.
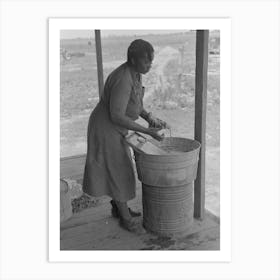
[(202, 37), (99, 61)]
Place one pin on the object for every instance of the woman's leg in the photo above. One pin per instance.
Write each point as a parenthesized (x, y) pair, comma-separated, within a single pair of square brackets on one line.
[(123, 209), (116, 213), (127, 221)]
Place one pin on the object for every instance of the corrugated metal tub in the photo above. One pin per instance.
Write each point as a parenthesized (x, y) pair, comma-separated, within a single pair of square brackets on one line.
[(167, 181)]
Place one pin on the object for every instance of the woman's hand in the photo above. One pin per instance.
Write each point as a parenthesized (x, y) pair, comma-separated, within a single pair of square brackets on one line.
[(154, 133), (157, 123)]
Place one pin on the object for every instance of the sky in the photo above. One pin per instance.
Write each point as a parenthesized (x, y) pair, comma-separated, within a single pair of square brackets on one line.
[(70, 34)]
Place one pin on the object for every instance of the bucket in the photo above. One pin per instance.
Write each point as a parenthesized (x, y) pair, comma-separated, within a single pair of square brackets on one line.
[(167, 182), (65, 201)]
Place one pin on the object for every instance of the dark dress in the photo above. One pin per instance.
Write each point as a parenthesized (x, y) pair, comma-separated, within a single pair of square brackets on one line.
[(109, 169)]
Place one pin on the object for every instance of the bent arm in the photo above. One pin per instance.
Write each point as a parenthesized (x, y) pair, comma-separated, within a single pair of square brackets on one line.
[(145, 115), (152, 121)]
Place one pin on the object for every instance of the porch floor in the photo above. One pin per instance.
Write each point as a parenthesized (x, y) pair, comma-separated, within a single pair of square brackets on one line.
[(96, 229)]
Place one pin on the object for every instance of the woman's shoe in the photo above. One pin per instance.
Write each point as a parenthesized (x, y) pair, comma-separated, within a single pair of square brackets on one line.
[(116, 214), (132, 225)]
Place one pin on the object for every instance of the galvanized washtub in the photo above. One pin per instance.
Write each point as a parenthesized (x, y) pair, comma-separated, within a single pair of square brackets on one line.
[(167, 174)]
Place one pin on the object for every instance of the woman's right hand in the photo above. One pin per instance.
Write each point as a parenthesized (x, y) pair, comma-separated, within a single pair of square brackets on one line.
[(154, 133)]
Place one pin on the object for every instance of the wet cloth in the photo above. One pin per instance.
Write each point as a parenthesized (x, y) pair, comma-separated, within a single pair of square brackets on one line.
[(109, 169)]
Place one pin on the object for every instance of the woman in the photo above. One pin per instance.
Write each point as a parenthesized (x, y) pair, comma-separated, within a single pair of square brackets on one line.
[(109, 170)]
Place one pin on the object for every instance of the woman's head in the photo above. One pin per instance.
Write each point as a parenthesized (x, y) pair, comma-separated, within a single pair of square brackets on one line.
[(140, 55)]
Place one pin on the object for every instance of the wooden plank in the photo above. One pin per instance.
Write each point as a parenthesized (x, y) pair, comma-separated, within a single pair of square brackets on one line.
[(99, 61), (72, 167), (202, 38)]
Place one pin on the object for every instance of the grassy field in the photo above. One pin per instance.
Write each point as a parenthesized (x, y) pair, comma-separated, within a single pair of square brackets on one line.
[(169, 92)]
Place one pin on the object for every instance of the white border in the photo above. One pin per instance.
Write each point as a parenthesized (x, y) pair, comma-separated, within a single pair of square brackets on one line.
[(55, 25)]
